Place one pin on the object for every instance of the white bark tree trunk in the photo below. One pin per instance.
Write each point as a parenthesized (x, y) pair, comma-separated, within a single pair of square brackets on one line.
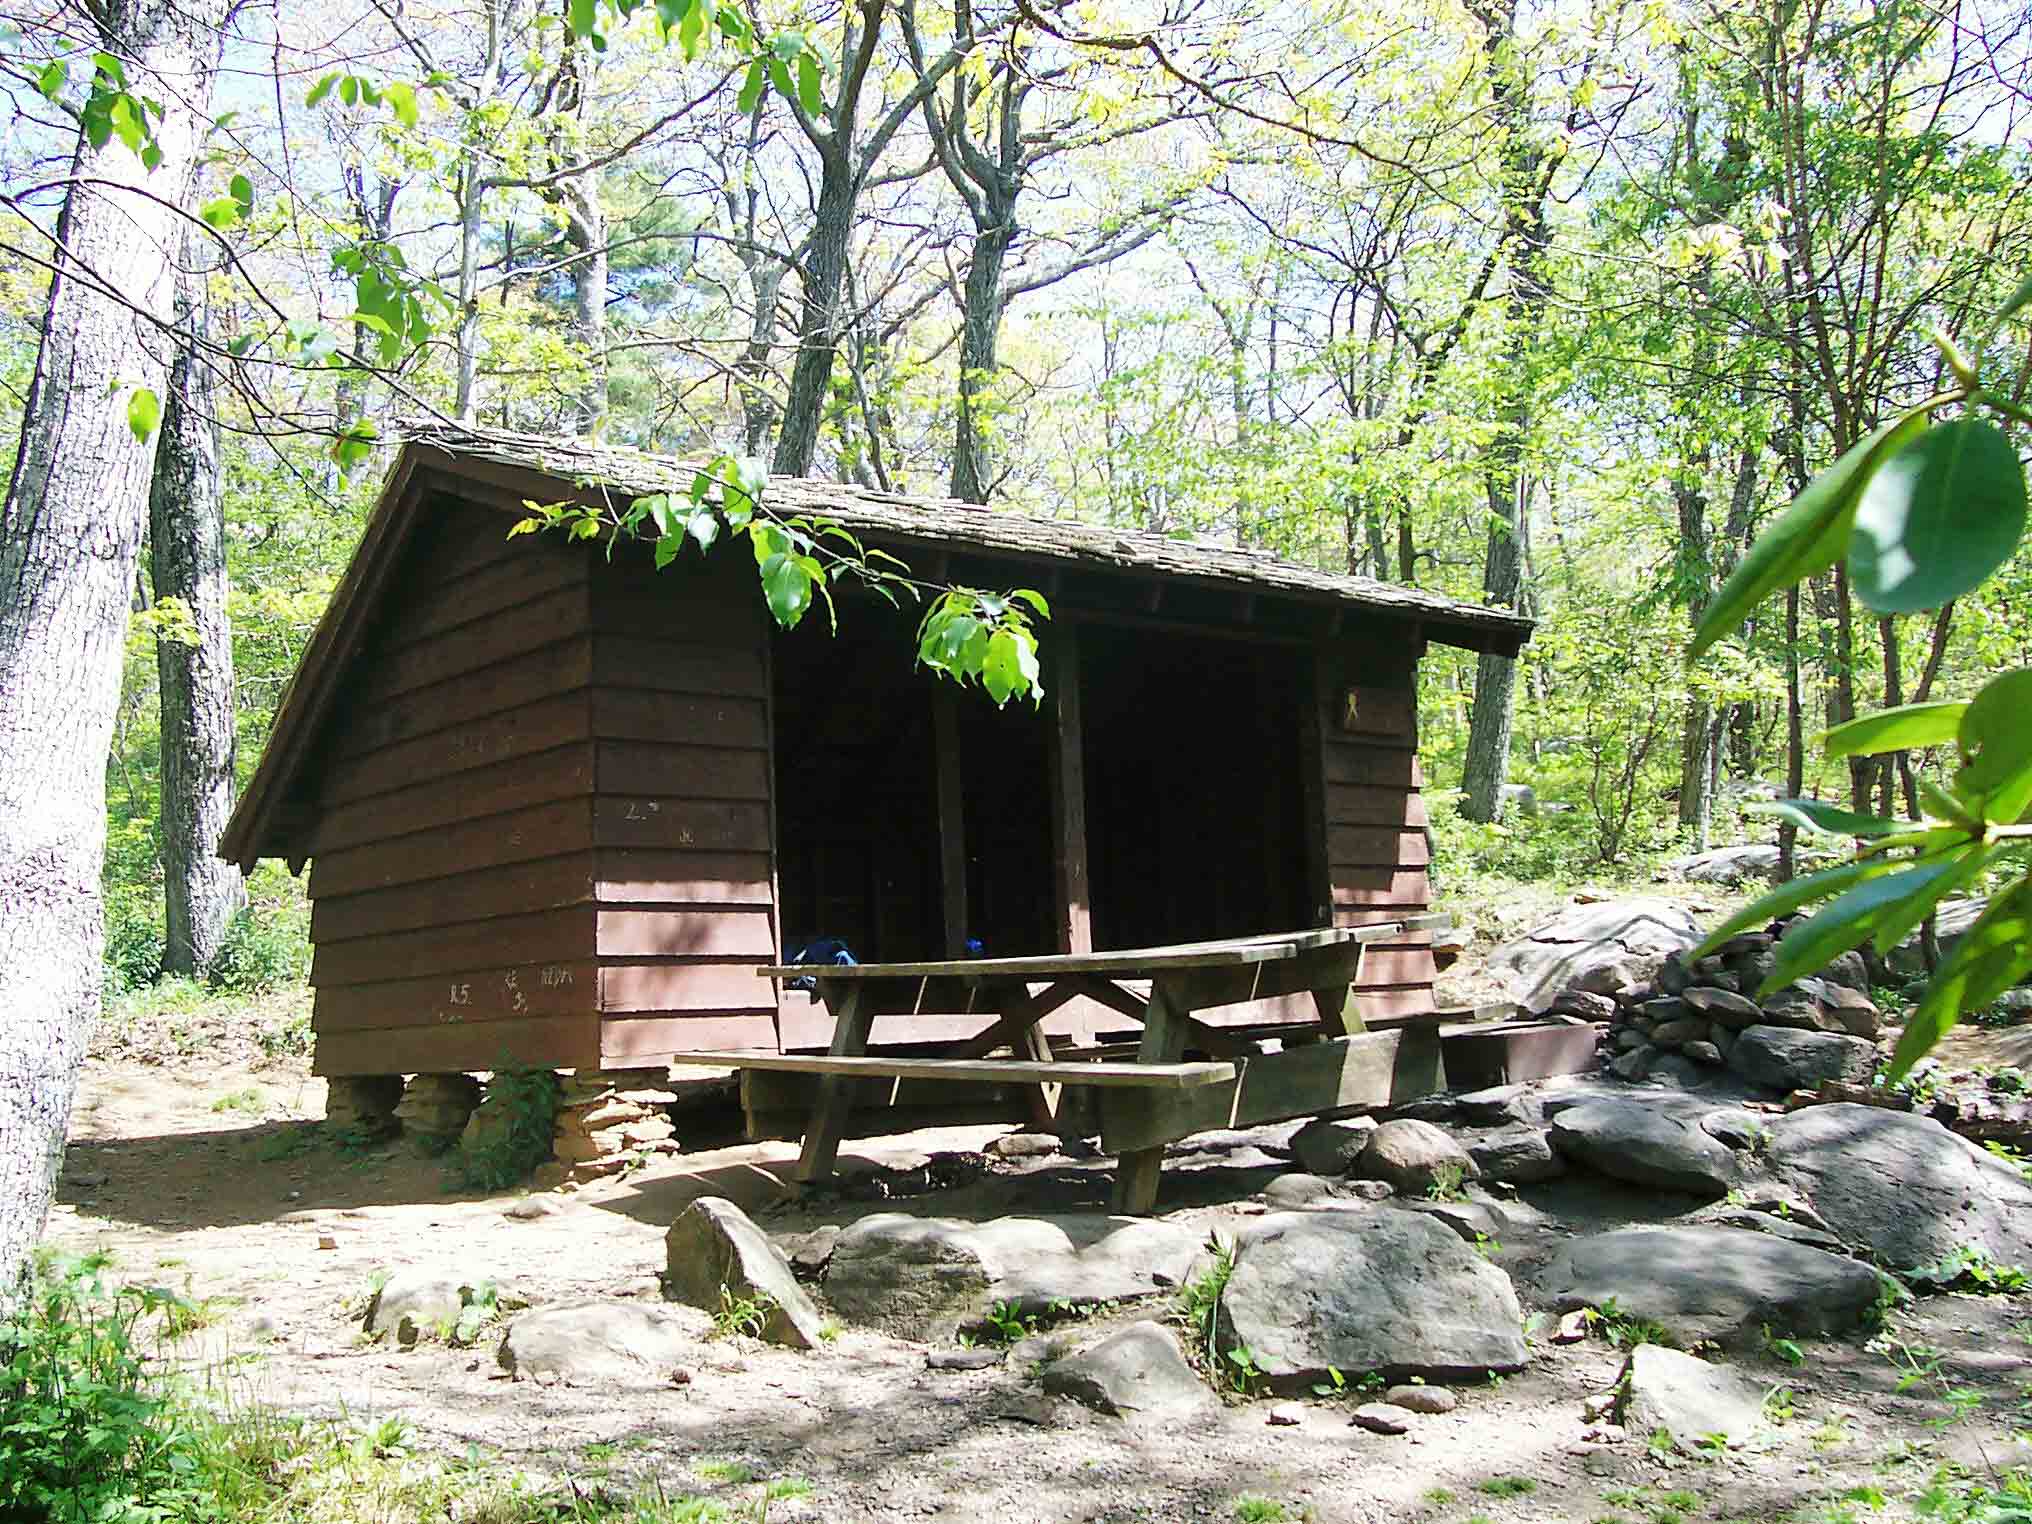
[(70, 533), (187, 561)]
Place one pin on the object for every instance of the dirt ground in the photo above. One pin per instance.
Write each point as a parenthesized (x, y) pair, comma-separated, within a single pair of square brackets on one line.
[(198, 1166)]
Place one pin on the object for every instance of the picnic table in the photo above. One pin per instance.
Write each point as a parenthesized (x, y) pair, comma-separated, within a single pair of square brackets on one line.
[(1335, 1060)]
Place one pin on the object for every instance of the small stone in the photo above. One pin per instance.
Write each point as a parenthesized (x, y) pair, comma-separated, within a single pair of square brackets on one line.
[(714, 1251), (1594, 1409), (1517, 1154), (1381, 1418), (1585, 1004), (1724, 1006), (1687, 1397), (1331, 1146), (1630, 1038), (1285, 1414), (1670, 1034), (1604, 1434), (1412, 1156), (1786, 1058), (1635, 1064), (1024, 1145), (1665, 1008), (529, 1208), (1137, 1371), (1298, 1190), (1422, 1399), (1704, 1053), (1572, 1327), (326, 1241)]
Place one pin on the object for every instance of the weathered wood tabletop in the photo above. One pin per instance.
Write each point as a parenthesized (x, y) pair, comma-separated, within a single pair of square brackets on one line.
[(1333, 1062)]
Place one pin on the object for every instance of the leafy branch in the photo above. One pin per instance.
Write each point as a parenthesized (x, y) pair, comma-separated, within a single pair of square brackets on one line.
[(1925, 511)]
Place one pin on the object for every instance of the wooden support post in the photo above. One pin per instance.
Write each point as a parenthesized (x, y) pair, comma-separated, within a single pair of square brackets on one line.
[(1164, 1032), (1312, 786), (952, 826), (853, 1014), (1069, 798)]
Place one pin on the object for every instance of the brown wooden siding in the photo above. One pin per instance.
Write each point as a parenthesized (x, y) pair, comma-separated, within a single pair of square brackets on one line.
[(452, 877), (1376, 845), (682, 824)]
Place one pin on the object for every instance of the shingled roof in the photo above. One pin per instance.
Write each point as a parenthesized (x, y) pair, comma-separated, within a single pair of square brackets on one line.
[(946, 521), (513, 468)]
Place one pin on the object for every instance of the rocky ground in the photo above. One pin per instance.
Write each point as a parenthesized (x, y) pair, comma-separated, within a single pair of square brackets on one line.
[(1046, 1366)]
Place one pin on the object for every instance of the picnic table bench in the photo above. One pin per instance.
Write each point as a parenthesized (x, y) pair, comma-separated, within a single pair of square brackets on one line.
[(1333, 1061)]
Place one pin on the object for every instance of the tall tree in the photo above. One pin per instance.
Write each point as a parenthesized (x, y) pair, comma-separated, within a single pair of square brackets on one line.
[(70, 537), (194, 652)]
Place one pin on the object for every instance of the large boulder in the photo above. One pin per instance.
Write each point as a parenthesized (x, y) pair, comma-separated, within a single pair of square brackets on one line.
[(418, 1303), (1385, 1290), (928, 1277), (1727, 865), (1330, 1146), (1902, 1185), (1136, 1372), (1517, 1154), (713, 1252), (1687, 1398), (1615, 945), (1644, 1144), (1790, 1058), (1711, 1284), (1412, 1156), (596, 1343)]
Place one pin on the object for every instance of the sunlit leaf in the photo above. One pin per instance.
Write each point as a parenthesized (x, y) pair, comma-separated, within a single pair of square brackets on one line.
[(1785, 899), (1826, 819), (144, 413), (1808, 537), (1996, 747), (220, 215), (809, 86), (1987, 959), (1902, 729), (1941, 513), (1850, 920), (751, 88)]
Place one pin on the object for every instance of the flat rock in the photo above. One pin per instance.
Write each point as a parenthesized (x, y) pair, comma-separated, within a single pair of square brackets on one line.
[(1727, 865), (412, 1303), (1410, 1155), (598, 1342), (1298, 1189), (1635, 1141), (1723, 1006), (714, 1251), (1501, 1106), (1902, 1185), (1381, 1418), (1385, 1290), (1517, 1154), (1600, 947), (1707, 1284), (1687, 1397), (978, 1358), (1422, 1399), (1721, 1215), (1285, 1414), (1024, 1145), (1330, 1147), (1472, 1220), (1786, 1058), (1136, 1372), (925, 1278)]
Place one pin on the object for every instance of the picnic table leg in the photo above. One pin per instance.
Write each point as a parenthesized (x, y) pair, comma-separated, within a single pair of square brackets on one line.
[(852, 1017), (1164, 1030), (1043, 1099)]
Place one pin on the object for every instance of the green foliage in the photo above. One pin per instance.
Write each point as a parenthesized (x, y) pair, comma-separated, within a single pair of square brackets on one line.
[(1926, 511), (520, 1117), (1252, 1509), (1449, 1183), (1970, 1267), (747, 1315), (1199, 1302), (1507, 1486), (1625, 1331)]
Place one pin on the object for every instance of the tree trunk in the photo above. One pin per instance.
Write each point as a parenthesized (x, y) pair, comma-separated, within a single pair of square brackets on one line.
[(751, 369), (1489, 725), (70, 534), (586, 232), (825, 265), (981, 324), (187, 561)]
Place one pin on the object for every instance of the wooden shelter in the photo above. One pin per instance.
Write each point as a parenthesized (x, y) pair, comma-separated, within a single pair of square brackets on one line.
[(560, 808)]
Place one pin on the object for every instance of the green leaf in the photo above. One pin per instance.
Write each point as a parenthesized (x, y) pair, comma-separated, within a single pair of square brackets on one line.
[(1904, 919), (1901, 729), (704, 527), (1990, 956), (1850, 920), (401, 98), (241, 189), (779, 76), (787, 45), (1034, 599), (321, 89), (1010, 665), (667, 549), (55, 75), (1941, 514), (751, 88), (349, 90), (1826, 820), (582, 17), (787, 587), (144, 413), (220, 215), (1808, 537), (1785, 899), (1996, 748), (2014, 303), (809, 89)]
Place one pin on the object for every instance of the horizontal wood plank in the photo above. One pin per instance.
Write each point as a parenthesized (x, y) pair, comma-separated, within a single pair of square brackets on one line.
[(487, 892), (521, 989), (545, 1043), (999, 1071), (732, 932), (715, 825), (644, 875), (641, 987), (374, 721), (695, 772), (631, 1041), (674, 665), (1359, 711), (505, 637), (629, 714), (546, 936), (564, 772), (1324, 1076), (1348, 804), (482, 742), (429, 604), (1364, 845), (1372, 766), (544, 830), (1380, 886)]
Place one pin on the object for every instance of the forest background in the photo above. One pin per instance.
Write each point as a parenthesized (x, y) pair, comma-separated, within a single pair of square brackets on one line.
[(1548, 305)]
